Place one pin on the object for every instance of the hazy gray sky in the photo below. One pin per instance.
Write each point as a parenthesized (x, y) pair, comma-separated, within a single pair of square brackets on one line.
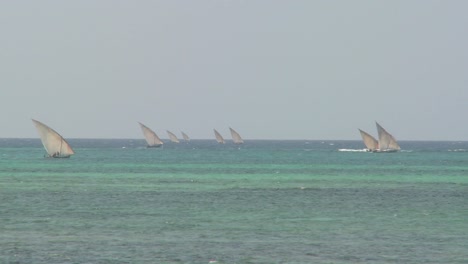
[(270, 69)]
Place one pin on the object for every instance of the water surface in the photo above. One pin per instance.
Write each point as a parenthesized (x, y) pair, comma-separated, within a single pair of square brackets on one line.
[(262, 202)]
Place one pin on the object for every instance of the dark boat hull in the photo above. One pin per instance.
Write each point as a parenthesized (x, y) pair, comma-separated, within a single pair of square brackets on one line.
[(154, 146)]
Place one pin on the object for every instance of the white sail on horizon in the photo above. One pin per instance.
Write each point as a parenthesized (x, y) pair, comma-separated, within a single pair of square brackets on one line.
[(185, 136), (386, 141), (150, 136), (371, 143), (172, 137), (55, 145), (218, 136), (236, 138)]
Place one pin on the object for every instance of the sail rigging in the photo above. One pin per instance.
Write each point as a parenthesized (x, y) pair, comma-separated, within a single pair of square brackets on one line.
[(172, 137), (218, 136), (55, 145), (151, 138), (236, 138)]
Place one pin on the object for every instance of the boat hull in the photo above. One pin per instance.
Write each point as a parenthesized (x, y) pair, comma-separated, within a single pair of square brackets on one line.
[(385, 151), (57, 157), (154, 146)]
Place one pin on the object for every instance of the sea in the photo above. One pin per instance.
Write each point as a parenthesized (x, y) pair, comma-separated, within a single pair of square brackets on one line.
[(265, 201)]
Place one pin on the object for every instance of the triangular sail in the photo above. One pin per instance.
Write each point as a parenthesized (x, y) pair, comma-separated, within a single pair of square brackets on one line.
[(218, 136), (172, 137), (370, 142), (386, 141), (186, 138), (55, 145), (236, 138), (151, 138)]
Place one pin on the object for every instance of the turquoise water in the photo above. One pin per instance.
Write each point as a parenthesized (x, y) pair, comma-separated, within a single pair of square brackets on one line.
[(263, 202)]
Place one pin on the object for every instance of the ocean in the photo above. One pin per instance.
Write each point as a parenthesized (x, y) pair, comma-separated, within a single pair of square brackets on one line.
[(266, 201)]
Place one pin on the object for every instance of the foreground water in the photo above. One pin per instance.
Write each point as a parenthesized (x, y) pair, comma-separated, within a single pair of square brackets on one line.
[(263, 202)]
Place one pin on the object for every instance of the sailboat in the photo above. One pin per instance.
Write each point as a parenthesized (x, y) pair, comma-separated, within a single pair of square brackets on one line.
[(236, 138), (218, 136), (172, 137), (371, 143), (387, 143), (55, 145), (151, 138), (186, 138)]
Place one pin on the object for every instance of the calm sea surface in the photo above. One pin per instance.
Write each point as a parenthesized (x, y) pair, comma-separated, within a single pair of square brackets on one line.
[(263, 202)]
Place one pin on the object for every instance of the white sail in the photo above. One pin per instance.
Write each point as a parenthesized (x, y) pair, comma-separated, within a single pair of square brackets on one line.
[(218, 136), (387, 142), (186, 138), (55, 145), (371, 143), (151, 138), (236, 138), (172, 137)]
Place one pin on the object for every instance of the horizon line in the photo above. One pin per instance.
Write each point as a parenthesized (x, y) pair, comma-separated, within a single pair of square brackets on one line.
[(273, 139)]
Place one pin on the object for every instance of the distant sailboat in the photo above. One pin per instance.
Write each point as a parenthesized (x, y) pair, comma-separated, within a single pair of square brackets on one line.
[(151, 138), (55, 145), (236, 138), (172, 137), (218, 136), (371, 143), (387, 142), (186, 138)]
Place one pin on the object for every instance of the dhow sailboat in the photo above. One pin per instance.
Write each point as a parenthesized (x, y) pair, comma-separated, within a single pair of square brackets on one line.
[(371, 143), (152, 139), (172, 137), (55, 145), (236, 138), (386, 142), (218, 136), (185, 136)]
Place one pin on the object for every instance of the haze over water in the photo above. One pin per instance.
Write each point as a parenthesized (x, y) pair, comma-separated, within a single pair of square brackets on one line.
[(269, 69)]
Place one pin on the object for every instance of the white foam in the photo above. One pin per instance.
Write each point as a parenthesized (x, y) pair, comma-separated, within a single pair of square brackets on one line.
[(353, 150)]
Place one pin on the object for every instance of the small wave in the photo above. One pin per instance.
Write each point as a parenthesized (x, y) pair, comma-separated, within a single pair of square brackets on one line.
[(457, 150), (353, 150)]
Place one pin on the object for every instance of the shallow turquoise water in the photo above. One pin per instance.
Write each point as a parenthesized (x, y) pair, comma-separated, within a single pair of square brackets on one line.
[(263, 202)]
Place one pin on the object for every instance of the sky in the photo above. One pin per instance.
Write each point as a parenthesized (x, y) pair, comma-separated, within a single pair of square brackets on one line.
[(271, 69)]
